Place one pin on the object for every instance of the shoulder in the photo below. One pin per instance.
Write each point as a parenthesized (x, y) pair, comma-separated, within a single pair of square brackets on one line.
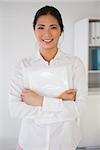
[(78, 62), (26, 61), (71, 59)]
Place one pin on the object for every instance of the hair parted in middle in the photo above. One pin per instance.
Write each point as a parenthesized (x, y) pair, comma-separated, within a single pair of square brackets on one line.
[(49, 10)]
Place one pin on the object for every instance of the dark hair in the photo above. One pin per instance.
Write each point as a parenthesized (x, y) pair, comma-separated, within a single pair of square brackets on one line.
[(49, 10)]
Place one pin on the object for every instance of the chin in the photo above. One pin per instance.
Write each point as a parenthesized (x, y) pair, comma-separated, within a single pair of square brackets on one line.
[(47, 48)]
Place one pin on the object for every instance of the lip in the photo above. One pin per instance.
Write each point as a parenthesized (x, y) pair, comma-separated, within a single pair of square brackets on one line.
[(47, 40)]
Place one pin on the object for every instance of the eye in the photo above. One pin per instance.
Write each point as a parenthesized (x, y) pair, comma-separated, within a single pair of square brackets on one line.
[(41, 28), (53, 27)]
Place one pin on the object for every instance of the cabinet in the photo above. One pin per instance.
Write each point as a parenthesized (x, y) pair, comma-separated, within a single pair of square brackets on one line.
[(90, 124), (87, 47)]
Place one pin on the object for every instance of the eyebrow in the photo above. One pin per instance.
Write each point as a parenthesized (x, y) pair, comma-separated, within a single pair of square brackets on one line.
[(40, 25), (54, 25), (44, 25)]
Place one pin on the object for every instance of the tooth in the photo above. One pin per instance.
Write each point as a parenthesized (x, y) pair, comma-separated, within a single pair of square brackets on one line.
[(47, 40)]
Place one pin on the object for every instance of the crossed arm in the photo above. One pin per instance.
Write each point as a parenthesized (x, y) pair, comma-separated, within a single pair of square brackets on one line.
[(32, 98), (22, 101)]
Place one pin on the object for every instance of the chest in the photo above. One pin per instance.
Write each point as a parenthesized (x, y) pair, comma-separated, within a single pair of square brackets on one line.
[(49, 80)]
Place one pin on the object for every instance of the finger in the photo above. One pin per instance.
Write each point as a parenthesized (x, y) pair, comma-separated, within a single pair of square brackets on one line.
[(71, 91)]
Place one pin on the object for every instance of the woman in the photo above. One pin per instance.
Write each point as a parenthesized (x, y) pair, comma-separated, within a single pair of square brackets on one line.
[(48, 91)]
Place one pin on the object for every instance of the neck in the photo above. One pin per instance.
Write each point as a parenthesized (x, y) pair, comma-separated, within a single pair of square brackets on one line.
[(48, 55)]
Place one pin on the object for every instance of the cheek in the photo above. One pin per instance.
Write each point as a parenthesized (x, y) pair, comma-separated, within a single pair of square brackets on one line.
[(57, 36), (38, 34)]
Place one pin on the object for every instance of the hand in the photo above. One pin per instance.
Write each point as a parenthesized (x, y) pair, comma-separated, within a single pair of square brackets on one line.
[(31, 98), (68, 95)]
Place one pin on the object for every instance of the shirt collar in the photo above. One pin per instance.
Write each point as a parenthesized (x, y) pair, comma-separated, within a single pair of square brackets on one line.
[(57, 56)]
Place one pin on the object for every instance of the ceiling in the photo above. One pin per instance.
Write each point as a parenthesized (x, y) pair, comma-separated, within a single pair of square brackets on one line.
[(49, 1)]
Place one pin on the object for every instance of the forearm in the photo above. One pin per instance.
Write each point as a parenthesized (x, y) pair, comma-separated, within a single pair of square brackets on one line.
[(31, 99), (19, 109)]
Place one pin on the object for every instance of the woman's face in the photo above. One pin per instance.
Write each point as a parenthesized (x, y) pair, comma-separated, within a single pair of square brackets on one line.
[(47, 32)]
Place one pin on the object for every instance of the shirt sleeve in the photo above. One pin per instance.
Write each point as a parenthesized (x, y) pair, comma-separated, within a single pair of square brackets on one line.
[(81, 85), (16, 106), (73, 109), (52, 104)]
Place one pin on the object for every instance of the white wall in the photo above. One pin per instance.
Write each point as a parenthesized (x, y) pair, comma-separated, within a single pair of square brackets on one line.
[(98, 9), (17, 40)]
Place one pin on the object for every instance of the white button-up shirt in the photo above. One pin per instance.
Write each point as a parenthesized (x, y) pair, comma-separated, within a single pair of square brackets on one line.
[(49, 80)]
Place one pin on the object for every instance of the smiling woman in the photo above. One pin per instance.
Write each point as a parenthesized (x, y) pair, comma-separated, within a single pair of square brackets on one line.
[(48, 98), (47, 35), (48, 27)]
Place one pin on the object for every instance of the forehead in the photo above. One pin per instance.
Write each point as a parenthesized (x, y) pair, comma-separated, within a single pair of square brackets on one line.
[(47, 19)]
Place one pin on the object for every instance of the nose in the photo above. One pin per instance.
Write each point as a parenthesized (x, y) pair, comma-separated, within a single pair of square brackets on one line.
[(47, 32)]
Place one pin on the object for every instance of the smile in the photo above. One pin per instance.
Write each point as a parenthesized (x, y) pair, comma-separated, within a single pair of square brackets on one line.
[(48, 40)]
